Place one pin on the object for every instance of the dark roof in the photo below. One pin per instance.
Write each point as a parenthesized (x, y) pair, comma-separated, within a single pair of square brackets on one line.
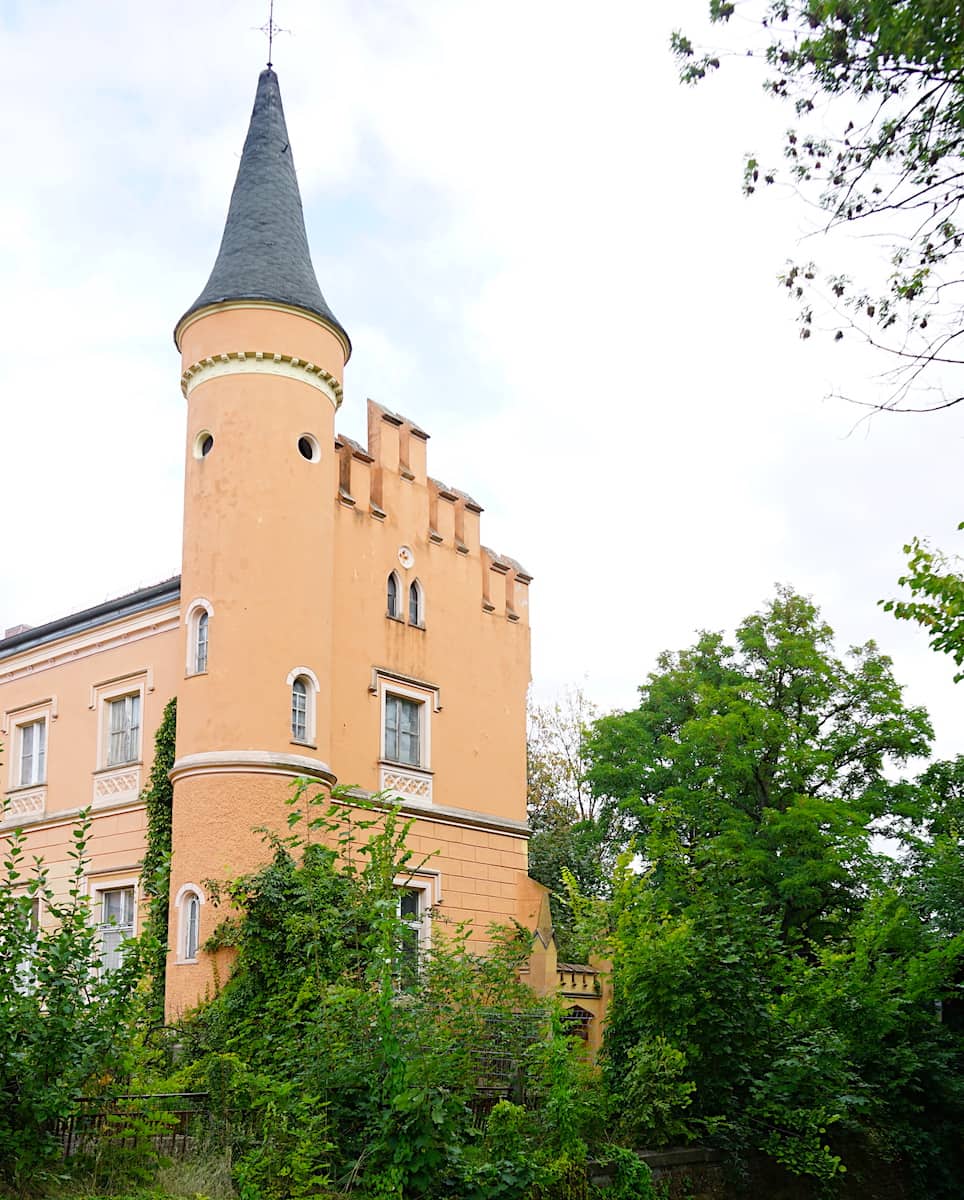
[(264, 251), (90, 618)]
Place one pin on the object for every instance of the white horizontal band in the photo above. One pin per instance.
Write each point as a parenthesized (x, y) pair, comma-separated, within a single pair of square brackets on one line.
[(250, 762), (258, 362)]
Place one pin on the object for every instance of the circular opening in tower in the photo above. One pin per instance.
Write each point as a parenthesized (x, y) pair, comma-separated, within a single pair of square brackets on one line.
[(203, 444), (308, 447)]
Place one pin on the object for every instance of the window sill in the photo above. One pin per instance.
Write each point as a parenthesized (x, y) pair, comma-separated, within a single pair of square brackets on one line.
[(134, 762), (26, 787), (307, 745), (392, 617), (417, 625), (193, 674)]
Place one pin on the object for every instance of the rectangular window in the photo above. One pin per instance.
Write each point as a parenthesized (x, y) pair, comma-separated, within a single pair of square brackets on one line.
[(116, 924), (409, 908), (33, 753), (124, 737), (403, 720)]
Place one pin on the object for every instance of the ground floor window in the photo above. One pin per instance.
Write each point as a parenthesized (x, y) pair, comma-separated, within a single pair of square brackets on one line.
[(115, 924)]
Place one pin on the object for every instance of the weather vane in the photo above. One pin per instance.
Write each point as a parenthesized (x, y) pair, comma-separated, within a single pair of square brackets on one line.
[(269, 29)]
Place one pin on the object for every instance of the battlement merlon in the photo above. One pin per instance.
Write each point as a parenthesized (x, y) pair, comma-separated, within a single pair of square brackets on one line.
[(395, 457)]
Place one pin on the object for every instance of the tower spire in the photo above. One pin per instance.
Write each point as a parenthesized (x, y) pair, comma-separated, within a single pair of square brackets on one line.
[(264, 251)]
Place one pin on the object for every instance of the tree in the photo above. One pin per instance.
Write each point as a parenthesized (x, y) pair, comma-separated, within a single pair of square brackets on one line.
[(571, 832), (877, 90), (937, 599), (779, 982), (770, 756)]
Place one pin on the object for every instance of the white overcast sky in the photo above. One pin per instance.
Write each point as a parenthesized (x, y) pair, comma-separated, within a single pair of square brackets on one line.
[(537, 241)]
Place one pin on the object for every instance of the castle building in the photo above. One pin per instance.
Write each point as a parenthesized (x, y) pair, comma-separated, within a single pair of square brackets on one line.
[(337, 617)]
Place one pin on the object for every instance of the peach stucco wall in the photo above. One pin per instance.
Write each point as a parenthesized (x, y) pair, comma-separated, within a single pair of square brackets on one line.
[(292, 558)]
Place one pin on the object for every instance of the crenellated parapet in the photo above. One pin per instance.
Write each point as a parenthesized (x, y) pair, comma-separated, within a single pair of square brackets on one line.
[(390, 475)]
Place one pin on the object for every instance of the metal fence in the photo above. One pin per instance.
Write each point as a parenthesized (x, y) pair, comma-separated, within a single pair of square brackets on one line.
[(172, 1122)]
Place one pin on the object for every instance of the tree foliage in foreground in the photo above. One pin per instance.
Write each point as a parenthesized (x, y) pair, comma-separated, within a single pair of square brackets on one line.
[(781, 985), (876, 89), (936, 601)]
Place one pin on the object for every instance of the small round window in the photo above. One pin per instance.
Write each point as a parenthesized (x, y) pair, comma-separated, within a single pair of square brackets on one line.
[(308, 447), (203, 444)]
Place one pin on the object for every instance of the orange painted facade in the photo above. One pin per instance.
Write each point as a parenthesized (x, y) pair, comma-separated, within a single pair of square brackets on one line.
[(281, 645)]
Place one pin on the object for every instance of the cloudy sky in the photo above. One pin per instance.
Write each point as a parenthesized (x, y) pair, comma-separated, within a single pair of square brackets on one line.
[(537, 241)]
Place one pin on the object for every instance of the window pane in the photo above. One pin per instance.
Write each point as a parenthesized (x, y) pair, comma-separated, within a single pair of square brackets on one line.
[(201, 650), (33, 753), (392, 595), (192, 917), (299, 710), (116, 924), (391, 727), (414, 608), (408, 741), (125, 729)]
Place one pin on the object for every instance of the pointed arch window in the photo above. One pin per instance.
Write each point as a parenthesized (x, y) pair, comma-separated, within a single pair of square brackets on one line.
[(416, 604), (201, 644), (393, 603)]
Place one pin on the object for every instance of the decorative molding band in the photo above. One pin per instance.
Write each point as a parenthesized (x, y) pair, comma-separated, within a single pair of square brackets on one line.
[(75, 647), (69, 816), (466, 818), (407, 785), (124, 783), (270, 306), (250, 762), (24, 806), (259, 362)]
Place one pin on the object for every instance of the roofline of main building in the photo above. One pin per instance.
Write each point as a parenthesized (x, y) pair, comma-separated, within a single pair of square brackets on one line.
[(90, 618)]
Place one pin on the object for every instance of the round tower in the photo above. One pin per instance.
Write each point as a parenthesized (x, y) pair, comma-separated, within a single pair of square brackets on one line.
[(262, 365)]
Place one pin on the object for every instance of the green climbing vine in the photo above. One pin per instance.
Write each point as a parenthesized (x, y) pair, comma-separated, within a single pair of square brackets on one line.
[(156, 872)]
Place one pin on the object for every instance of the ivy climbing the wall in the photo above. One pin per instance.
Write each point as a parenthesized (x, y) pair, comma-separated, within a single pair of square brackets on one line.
[(156, 872)]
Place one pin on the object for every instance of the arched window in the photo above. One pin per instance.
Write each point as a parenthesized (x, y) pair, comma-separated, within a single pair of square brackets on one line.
[(416, 605), (392, 598), (304, 690), (201, 644), (299, 710), (192, 925), (188, 901), (198, 621)]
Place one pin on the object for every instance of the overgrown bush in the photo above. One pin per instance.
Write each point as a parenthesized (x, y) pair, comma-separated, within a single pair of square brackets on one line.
[(65, 1024)]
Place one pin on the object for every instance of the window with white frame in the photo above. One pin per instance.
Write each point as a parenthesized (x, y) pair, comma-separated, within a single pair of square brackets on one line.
[(299, 710), (24, 971), (123, 729), (198, 620), (32, 737), (403, 729), (416, 604), (415, 896), (115, 923), (201, 644), (304, 690), (392, 599)]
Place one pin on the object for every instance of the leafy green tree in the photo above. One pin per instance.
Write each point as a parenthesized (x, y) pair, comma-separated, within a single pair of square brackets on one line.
[(877, 94), (770, 755), (937, 599), (573, 834)]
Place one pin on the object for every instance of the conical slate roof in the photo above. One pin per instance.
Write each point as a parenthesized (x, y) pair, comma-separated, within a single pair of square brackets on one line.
[(264, 250)]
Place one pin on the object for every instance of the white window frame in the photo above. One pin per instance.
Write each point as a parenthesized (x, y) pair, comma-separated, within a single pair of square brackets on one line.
[(187, 893), (429, 886), (112, 883), (391, 691), (14, 723), (33, 731), (312, 688), (103, 694), (415, 589), (192, 620)]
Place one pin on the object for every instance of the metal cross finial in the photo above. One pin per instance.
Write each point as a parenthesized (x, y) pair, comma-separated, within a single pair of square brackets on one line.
[(269, 29)]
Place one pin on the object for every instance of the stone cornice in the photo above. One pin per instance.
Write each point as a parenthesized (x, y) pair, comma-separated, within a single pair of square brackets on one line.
[(251, 762), (262, 362)]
